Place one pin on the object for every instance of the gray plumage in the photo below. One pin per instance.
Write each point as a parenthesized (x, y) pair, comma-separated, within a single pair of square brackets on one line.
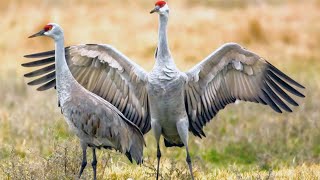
[(233, 73), (95, 121), (99, 124), (174, 102), (107, 73)]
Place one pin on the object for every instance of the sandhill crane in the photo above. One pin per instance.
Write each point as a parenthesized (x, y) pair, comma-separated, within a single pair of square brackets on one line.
[(95, 121), (177, 102)]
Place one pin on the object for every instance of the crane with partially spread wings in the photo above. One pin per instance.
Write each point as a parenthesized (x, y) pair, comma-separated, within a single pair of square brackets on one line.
[(96, 122)]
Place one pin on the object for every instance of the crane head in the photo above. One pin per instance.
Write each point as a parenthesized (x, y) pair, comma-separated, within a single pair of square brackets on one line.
[(161, 7), (52, 30)]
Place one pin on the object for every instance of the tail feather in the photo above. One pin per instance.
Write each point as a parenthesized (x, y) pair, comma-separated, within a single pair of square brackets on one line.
[(136, 146), (135, 141), (129, 156)]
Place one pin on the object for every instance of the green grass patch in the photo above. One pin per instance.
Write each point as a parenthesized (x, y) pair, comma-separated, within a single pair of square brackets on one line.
[(4, 153), (316, 146), (316, 150), (239, 153), (61, 132)]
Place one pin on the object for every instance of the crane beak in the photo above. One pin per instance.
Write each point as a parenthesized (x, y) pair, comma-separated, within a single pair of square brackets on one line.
[(40, 33), (156, 9)]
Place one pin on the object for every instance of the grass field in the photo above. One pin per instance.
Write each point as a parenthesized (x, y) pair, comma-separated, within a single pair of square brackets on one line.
[(244, 141)]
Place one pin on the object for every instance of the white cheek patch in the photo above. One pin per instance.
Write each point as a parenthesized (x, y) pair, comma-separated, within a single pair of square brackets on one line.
[(164, 8)]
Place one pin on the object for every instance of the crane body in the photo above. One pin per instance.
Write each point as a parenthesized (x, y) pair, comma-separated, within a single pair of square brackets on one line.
[(96, 122)]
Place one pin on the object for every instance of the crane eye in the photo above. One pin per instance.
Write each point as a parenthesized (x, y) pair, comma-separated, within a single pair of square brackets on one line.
[(47, 28)]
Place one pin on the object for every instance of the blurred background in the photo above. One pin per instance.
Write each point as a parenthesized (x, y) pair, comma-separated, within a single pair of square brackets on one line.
[(243, 141)]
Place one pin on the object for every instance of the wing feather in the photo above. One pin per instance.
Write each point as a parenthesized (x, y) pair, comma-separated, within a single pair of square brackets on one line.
[(104, 71), (47, 86), (43, 79), (41, 71), (40, 62), (232, 73)]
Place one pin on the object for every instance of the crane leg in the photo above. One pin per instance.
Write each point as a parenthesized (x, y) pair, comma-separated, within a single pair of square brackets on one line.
[(183, 130), (84, 158), (158, 157), (157, 133), (94, 163), (189, 163)]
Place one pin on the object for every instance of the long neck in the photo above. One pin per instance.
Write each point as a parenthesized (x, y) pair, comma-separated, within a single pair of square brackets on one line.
[(61, 64), (64, 78), (164, 55)]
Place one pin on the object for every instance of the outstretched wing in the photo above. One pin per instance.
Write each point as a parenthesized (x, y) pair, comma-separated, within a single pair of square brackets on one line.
[(232, 73), (104, 71)]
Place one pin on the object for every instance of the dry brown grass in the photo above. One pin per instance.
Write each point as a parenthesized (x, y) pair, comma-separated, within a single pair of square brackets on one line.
[(243, 141)]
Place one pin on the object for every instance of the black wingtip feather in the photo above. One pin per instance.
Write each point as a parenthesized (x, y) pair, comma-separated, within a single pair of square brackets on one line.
[(43, 79), (38, 62), (47, 86), (41, 71), (197, 131), (269, 101), (40, 55), (129, 156), (276, 99), (280, 73), (45, 54), (284, 84), (280, 92), (200, 128), (262, 101)]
